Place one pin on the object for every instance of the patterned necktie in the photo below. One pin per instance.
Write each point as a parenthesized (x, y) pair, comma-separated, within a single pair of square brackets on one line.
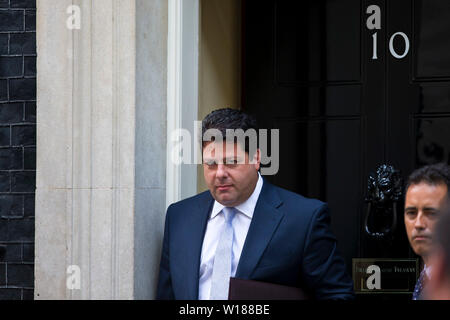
[(419, 285), (222, 260)]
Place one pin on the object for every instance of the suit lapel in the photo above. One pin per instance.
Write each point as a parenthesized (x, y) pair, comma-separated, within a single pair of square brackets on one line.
[(265, 221), (193, 244)]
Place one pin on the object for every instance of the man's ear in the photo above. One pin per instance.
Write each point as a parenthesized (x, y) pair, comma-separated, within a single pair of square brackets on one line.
[(257, 159)]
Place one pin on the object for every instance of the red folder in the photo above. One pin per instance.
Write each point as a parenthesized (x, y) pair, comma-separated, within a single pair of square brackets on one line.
[(241, 289)]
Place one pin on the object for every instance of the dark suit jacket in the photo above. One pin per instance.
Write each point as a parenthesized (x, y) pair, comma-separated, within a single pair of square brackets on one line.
[(289, 242)]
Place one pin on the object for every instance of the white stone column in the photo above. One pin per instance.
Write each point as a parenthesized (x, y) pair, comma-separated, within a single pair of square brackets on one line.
[(100, 196)]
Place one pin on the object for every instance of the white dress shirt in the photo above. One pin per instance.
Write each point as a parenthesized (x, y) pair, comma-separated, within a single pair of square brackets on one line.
[(241, 223)]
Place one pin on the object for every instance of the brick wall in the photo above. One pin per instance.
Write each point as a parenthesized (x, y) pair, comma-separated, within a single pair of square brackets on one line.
[(17, 147)]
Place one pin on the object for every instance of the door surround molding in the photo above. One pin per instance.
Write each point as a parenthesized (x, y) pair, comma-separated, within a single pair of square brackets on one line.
[(182, 91)]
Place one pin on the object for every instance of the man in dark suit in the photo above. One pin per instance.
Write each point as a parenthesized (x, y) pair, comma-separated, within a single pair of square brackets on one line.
[(246, 228)]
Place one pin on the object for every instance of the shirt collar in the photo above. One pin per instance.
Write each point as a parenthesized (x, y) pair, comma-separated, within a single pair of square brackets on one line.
[(247, 207)]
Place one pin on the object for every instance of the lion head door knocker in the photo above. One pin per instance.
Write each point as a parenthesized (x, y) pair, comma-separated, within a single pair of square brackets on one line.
[(384, 191)]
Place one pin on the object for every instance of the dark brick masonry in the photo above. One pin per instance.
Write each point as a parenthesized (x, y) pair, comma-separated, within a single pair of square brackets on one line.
[(17, 147)]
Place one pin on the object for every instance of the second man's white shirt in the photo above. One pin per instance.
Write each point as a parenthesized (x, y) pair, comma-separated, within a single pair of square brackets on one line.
[(241, 224)]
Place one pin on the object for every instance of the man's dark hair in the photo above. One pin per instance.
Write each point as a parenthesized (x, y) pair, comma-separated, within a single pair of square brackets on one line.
[(227, 118), (434, 174)]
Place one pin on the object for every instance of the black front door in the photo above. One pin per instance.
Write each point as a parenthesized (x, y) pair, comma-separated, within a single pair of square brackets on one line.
[(351, 84)]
